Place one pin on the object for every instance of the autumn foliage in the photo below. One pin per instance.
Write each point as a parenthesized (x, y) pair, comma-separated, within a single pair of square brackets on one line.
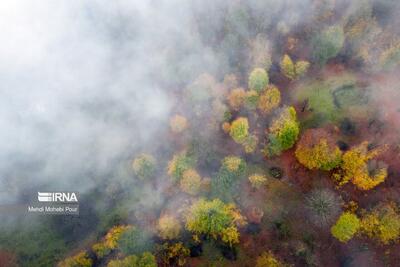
[(318, 150)]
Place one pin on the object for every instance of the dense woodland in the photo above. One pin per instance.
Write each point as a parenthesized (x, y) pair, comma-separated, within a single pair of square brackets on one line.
[(286, 156)]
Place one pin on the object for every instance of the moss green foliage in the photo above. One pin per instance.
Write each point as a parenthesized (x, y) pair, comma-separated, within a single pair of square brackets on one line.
[(346, 227), (258, 80), (178, 164), (135, 241), (293, 70), (79, 260), (239, 130), (212, 218), (225, 182), (145, 260), (327, 44), (144, 166), (283, 132), (251, 99), (190, 182), (331, 100)]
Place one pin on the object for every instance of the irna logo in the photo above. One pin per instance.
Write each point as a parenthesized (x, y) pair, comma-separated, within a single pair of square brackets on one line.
[(57, 197)]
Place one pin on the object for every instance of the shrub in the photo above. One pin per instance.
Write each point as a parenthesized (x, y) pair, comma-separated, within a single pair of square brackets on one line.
[(190, 182), (239, 130), (327, 44), (283, 132), (268, 259), (357, 168), (382, 223), (236, 98), (317, 150), (145, 260), (257, 180), (178, 123), (168, 227), (346, 227), (80, 260), (269, 99), (178, 164), (323, 207), (293, 70), (211, 218), (258, 80), (144, 166)]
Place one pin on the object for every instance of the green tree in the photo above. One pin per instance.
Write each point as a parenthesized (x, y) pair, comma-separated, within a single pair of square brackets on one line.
[(211, 218), (135, 241), (79, 260), (346, 227), (144, 166), (178, 164), (239, 130), (283, 132), (327, 44), (258, 80), (145, 260)]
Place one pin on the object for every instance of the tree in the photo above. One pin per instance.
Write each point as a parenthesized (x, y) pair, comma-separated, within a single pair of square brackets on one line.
[(212, 218), (258, 80), (327, 44), (257, 180), (293, 70), (317, 150), (269, 99), (178, 164), (135, 241), (239, 130), (168, 227), (178, 123), (236, 98), (251, 99), (250, 144), (382, 223), (110, 241), (358, 168), (79, 260), (190, 182), (283, 132), (174, 254), (268, 259), (323, 207), (144, 166), (145, 260), (346, 227)]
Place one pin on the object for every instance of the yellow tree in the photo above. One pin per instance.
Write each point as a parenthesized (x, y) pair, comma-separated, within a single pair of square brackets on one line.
[(358, 168), (382, 223), (317, 150), (346, 227), (269, 99), (293, 70)]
